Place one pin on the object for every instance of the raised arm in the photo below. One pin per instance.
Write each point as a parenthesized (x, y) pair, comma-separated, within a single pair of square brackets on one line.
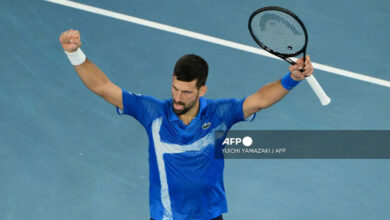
[(275, 91), (89, 73)]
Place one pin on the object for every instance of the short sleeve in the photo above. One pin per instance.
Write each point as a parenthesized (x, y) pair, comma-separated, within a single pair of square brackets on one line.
[(143, 108), (231, 111)]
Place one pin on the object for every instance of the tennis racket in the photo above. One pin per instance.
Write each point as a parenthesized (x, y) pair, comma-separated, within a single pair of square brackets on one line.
[(282, 33)]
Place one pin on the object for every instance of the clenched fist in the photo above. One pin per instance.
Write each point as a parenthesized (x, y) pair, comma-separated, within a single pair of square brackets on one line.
[(70, 40), (296, 70)]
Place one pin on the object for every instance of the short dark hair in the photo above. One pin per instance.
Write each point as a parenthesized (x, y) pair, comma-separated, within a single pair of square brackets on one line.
[(190, 67)]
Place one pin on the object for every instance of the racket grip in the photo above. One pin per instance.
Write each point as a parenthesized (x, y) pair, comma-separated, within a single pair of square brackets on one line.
[(324, 99)]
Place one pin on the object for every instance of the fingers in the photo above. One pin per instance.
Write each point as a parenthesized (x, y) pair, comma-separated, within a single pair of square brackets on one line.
[(70, 40), (301, 69), (308, 68), (70, 36)]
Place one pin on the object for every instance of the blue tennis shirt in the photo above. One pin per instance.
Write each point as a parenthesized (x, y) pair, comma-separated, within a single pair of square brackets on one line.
[(186, 180)]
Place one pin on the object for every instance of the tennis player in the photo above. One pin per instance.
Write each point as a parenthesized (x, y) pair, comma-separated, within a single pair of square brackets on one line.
[(186, 180)]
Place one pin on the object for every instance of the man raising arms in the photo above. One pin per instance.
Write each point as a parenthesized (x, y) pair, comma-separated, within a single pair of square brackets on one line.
[(186, 180)]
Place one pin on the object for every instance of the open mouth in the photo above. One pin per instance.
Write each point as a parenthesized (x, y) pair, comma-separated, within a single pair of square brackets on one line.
[(178, 106)]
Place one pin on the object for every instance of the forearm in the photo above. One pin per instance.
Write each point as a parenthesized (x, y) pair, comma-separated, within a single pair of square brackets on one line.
[(92, 76), (89, 73), (270, 94), (275, 91)]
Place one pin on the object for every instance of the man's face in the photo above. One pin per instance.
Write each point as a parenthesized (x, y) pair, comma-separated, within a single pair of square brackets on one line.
[(184, 95)]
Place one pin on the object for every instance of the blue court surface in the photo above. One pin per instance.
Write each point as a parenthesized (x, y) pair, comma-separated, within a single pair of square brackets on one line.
[(66, 154)]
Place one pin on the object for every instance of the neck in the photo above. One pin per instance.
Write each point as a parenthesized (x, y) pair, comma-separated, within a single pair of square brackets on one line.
[(191, 114)]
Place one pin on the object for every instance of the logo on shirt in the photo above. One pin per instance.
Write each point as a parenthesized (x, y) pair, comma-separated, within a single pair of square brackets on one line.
[(206, 125)]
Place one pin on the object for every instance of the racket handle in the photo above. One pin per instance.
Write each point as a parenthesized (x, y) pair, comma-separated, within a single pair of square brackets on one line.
[(324, 99)]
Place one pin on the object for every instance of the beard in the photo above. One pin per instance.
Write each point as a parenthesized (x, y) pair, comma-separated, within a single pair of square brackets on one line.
[(185, 108)]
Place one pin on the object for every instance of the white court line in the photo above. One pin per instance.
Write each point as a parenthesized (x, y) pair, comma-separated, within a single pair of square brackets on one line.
[(211, 39)]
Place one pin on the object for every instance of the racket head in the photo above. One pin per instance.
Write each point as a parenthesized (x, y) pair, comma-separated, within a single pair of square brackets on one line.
[(278, 31)]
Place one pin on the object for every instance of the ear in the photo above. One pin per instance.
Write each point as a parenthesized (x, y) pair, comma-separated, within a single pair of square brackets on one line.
[(202, 90)]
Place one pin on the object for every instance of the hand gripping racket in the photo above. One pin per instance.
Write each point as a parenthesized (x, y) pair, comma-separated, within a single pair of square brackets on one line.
[(282, 33)]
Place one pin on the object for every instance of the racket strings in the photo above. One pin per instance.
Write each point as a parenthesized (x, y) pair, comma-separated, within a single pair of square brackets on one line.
[(279, 32)]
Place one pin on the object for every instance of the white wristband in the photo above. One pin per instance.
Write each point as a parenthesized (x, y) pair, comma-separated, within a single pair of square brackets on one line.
[(77, 57)]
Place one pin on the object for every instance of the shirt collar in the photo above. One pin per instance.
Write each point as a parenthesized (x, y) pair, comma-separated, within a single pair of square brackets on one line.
[(202, 107)]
